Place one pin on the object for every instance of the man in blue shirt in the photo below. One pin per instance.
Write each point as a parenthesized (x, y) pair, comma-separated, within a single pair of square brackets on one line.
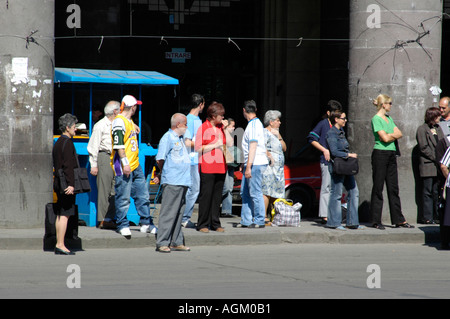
[(173, 162), (193, 124), (317, 138)]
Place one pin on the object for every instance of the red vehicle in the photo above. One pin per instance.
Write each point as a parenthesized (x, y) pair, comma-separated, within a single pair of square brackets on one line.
[(302, 180)]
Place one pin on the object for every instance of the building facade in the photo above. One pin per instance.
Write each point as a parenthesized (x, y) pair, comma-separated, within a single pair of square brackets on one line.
[(289, 55)]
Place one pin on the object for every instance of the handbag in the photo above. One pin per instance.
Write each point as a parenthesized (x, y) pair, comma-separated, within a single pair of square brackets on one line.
[(81, 178), (345, 166), (82, 184)]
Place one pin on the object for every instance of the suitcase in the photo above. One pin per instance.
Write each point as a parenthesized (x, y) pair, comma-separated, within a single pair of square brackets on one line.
[(71, 240)]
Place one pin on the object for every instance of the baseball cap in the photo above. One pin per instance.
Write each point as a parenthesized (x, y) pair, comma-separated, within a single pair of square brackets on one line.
[(129, 101)]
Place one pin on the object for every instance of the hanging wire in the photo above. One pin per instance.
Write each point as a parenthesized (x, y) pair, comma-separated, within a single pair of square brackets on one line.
[(164, 38)]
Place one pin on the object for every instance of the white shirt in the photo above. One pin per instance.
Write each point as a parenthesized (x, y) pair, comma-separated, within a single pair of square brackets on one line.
[(100, 140), (254, 132)]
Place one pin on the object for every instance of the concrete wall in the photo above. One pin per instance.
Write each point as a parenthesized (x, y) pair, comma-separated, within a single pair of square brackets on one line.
[(406, 80), (26, 112)]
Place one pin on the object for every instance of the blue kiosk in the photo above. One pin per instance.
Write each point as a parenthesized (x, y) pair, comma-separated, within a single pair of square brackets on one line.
[(87, 202)]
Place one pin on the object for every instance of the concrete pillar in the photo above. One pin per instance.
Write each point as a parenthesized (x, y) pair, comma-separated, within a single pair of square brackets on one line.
[(26, 111), (384, 60)]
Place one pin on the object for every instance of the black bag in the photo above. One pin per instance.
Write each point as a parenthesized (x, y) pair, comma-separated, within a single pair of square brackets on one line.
[(345, 166), (81, 180)]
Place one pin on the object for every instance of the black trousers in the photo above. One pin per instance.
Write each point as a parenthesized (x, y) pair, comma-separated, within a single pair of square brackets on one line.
[(209, 200), (444, 220), (429, 198), (384, 170)]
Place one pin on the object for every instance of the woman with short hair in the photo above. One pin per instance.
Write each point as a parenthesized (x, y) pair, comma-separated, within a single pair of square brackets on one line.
[(273, 183), (427, 136), (210, 143), (64, 157)]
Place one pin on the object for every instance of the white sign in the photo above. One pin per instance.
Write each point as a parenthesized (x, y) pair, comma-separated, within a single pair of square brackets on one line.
[(20, 70)]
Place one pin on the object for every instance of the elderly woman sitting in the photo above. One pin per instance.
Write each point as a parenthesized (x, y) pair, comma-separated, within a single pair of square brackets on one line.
[(273, 177)]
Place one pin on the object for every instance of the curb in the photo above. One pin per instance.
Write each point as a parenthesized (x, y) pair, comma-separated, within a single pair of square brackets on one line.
[(309, 232)]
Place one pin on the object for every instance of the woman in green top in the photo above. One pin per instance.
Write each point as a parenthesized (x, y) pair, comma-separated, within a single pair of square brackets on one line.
[(384, 165)]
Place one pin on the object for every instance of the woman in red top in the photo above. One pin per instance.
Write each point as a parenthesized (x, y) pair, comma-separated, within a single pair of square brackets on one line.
[(209, 143)]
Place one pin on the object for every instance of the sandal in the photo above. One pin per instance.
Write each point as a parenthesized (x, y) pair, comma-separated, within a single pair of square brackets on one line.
[(378, 226), (180, 248), (163, 249), (404, 225)]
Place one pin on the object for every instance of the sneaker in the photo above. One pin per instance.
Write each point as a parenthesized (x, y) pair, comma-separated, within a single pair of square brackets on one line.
[(356, 227), (239, 225), (153, 229), (340, 228), (125, 232), (188, 224), (256, 226), (149, 229)]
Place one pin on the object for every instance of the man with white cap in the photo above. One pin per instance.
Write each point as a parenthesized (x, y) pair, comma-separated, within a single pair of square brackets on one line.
[(130, 179)]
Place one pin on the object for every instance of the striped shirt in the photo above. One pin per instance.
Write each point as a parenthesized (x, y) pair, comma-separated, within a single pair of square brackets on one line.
[(446, 161)]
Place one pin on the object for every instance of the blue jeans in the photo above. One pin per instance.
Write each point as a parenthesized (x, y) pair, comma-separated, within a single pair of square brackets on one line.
[(227, 197), (253, 210), (132, 186), (335, 209), (192, 193)]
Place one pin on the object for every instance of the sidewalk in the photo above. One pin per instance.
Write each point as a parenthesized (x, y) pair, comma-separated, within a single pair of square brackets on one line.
[(310, 232)]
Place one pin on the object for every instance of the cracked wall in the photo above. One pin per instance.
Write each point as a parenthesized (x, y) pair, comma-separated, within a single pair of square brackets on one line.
[(26, 112), (386, 58)]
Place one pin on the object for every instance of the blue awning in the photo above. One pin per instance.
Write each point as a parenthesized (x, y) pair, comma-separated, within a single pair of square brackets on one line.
[(68, 75)]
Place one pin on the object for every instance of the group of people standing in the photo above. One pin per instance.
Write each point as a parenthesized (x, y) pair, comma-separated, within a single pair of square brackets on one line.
[(214, 159), (204, 155), (433, 140), (196, 161), (329, 138), (114, 158)]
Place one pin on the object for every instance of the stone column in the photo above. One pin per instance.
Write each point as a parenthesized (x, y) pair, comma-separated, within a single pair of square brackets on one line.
[(26, 111), (395, 50)]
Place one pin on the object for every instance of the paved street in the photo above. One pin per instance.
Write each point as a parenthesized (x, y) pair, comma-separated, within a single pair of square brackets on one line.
[(230, 272)]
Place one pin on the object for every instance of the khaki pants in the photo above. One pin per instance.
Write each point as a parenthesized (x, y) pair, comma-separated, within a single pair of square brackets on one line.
[(105, 188)]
